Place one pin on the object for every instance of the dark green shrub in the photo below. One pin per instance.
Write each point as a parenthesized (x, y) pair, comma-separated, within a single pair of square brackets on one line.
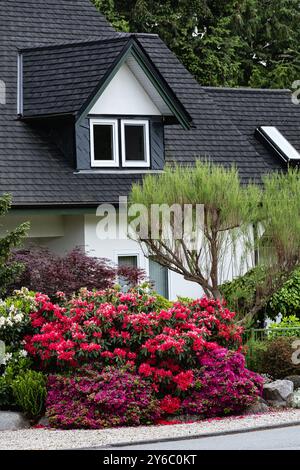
[(254, 354), (29, 391), (9, 271), (16, 366), (240, 293), (6, 397), (276, 360)]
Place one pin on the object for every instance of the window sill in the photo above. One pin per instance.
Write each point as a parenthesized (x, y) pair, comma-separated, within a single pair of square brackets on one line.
[(116, 172)]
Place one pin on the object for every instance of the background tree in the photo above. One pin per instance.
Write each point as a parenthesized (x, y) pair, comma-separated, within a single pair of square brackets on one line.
[(221, 42), (8, 241)]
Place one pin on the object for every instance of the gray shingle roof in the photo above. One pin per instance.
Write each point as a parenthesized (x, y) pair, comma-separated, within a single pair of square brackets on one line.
[(61, 79), (35, 171), (251, 108)]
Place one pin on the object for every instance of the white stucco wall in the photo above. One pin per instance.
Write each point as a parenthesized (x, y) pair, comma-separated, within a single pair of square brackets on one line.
[(40, 225), (59, 233), (113, 248), (62, 233), (125, 96), (73, 226)]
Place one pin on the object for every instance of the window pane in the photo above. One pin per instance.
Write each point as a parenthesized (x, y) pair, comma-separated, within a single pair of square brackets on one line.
[(103, 142), (127, 261), (135, 143), (159, 276)]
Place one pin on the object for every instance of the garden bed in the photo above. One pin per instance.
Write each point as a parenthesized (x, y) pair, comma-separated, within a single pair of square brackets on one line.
[(108, 359)]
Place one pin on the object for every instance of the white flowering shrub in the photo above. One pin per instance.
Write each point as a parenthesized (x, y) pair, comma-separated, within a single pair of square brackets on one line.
[(14, 324), (14, 317)]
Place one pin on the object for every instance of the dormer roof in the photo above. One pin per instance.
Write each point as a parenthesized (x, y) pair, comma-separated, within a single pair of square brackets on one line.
[(69, 78)]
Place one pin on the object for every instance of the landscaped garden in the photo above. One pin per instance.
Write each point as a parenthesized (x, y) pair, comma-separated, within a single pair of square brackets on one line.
[(87, 354), (108, 358)]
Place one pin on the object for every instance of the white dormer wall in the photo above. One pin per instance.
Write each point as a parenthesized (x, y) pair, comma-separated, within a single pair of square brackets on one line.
[(125, 95)]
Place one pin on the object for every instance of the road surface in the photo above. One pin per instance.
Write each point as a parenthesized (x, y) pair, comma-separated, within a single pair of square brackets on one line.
[(286, 438)]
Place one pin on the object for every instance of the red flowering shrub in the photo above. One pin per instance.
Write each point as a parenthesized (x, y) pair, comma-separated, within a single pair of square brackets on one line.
[(91, 399), (114, 328), (169, 349), (170, 405)]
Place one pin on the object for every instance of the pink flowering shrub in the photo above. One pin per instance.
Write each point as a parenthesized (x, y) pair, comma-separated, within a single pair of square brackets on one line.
[(182, 353), (91, 399), (222, 385)]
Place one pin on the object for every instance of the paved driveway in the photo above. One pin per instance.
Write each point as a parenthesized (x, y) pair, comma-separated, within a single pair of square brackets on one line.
[(286, 438)]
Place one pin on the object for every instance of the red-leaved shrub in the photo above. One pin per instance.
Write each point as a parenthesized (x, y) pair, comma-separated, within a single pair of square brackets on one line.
[(47, 272)]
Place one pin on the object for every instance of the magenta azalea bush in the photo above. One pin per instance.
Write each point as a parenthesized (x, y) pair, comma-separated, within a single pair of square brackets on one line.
[(222, 385), (92, 399)]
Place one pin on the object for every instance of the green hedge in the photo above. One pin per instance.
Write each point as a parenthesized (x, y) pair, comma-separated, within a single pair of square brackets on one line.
[(272, 357), (240, 294)]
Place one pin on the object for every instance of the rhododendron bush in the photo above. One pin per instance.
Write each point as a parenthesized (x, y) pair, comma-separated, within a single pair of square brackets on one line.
[(189, 355)]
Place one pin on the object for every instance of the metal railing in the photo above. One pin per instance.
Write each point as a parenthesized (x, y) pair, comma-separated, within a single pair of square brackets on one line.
[(263, 334)]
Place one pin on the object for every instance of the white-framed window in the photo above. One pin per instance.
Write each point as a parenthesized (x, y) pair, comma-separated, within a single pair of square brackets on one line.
[(135, 143), (104, 143), (127, 261)]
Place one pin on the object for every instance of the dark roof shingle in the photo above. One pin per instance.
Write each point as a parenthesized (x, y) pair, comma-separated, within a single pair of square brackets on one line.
[(61, 79)]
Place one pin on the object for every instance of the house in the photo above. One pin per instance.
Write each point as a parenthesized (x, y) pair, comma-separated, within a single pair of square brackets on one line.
[(86, 111)]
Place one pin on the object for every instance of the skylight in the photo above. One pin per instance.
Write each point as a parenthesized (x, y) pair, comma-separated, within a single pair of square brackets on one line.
[(272, 138)]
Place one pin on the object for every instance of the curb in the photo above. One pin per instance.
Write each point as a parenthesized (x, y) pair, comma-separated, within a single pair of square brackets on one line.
[(193, 436)]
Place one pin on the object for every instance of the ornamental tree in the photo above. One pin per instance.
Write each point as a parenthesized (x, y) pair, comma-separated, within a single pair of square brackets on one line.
[(279, 234), (210, 213), (8, 241), (235, 222)]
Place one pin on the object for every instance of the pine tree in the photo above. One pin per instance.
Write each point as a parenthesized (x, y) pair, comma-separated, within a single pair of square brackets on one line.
[(8, 241), (221, 42)]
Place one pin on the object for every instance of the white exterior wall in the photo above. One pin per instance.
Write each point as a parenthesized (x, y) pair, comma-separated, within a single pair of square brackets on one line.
[(59, 233), (112, 248), (125, 96), (73, 237), (63, 233), (41, 226)]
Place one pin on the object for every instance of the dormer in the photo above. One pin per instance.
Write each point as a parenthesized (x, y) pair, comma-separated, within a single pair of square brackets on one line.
[(106, 97)]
